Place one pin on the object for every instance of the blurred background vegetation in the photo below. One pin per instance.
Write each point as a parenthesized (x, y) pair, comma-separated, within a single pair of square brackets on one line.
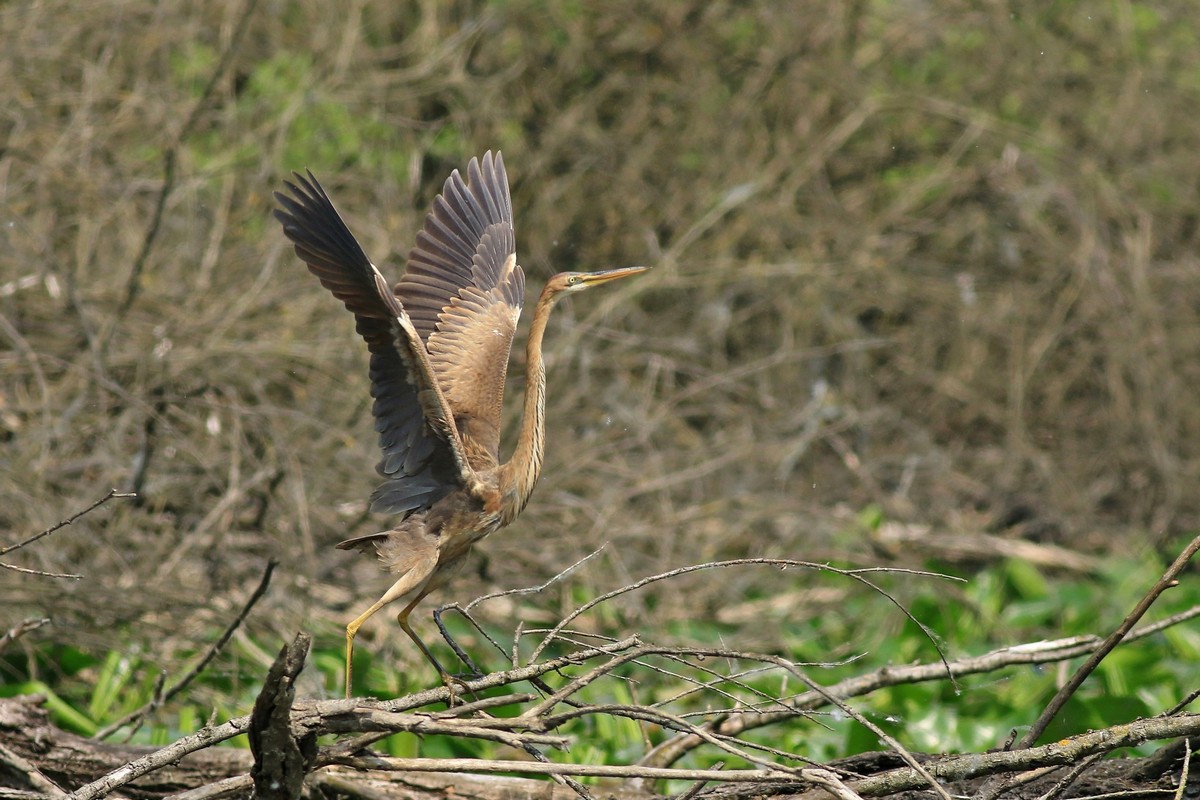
[(916, 263)]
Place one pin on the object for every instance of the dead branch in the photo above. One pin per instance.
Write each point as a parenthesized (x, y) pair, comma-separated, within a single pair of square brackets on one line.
[(337, 716), (361, 719), (1065, 752), (161, 697), (284, 733), (950, 769), (58, 526), (1045, 652), (28, 776), (20, 629), (974, 547), (1064, 694), (133, 283), (480, 765), (30, 740), (281, 760)]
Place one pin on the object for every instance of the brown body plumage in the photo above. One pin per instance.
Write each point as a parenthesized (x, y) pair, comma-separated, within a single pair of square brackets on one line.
[(439, 343)]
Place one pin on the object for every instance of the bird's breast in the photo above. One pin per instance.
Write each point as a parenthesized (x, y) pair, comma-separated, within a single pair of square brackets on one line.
[(460, 520)]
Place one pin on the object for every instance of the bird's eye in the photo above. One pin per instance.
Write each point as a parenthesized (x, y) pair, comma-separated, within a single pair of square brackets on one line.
[(571, 281)]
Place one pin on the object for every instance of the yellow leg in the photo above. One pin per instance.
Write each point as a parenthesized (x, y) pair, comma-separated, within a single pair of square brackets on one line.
[(448, 680), (351, 631), (402, 618), (408, 582)]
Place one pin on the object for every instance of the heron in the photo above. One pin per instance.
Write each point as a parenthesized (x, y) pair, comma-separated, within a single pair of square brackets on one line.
[(439, 343)]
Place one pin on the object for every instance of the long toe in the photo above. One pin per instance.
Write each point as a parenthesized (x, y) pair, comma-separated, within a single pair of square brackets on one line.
[(455, 687)]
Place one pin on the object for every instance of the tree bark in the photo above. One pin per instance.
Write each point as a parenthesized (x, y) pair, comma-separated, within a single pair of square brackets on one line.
[(39, 760)]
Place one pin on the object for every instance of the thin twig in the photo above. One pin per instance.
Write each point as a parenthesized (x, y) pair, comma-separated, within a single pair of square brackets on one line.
[(450, 640), (695, 789), (541, 587), (1064, 694), (781, 703), (883, 735), (170, 157), (785, 563), (237, 786), (565, 780), (573, 686), (41, 573), (1072, 775), (1164, 623), (1182, 704), (20, 629), (1183, 772), (423, 726), (832, 783), (672, 722), (462, 709), (465, 612), (580, 770), (1044, 652), (111, 494), (198, 668)]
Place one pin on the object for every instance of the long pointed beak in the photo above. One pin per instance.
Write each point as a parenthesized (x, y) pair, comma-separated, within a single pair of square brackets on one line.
[(606, 275)]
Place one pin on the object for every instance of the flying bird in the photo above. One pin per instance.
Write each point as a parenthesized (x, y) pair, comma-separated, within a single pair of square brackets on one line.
[(439, 342)]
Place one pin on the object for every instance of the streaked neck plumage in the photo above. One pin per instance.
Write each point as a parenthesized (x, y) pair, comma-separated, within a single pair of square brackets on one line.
[(518, 476)]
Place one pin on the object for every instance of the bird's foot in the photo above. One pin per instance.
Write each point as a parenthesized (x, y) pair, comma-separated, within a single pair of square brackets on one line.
[(450, 681)]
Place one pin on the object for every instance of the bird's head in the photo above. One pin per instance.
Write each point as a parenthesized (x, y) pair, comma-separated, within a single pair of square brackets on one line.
[(578, 281)]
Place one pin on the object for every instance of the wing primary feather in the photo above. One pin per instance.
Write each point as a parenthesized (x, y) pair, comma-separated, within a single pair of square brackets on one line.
[(421, 456), (447, 327)]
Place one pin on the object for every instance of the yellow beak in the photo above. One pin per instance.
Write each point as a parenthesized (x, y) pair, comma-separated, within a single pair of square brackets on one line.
[(606, 275)]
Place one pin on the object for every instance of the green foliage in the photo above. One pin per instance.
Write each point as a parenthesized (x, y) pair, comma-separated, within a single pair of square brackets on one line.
[(87, 691), (324, 133), (1007, 603)]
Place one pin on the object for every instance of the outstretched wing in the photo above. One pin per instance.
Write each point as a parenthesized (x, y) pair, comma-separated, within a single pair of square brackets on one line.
[(463, 291), (422, 454)]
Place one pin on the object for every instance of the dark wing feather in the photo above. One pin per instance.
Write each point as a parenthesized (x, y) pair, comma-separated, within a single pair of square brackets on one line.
[(463, 291), (442, 263), (422, 458)]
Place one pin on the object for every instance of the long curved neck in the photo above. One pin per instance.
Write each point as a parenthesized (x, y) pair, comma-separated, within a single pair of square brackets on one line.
[(522, 470)]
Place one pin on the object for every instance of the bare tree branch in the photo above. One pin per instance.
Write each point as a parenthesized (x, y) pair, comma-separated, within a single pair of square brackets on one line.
[(1067, 751), (133, 283), (1044, 652), (111, 494), (710, 675), (785, 563), (41, 573), (20, 629), (476, 765), (831, 782), (160, 698), (38, 782), (281, 759), (1064, 694)]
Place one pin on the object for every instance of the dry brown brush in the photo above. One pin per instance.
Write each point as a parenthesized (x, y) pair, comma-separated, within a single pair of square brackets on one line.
[(900, 262)]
